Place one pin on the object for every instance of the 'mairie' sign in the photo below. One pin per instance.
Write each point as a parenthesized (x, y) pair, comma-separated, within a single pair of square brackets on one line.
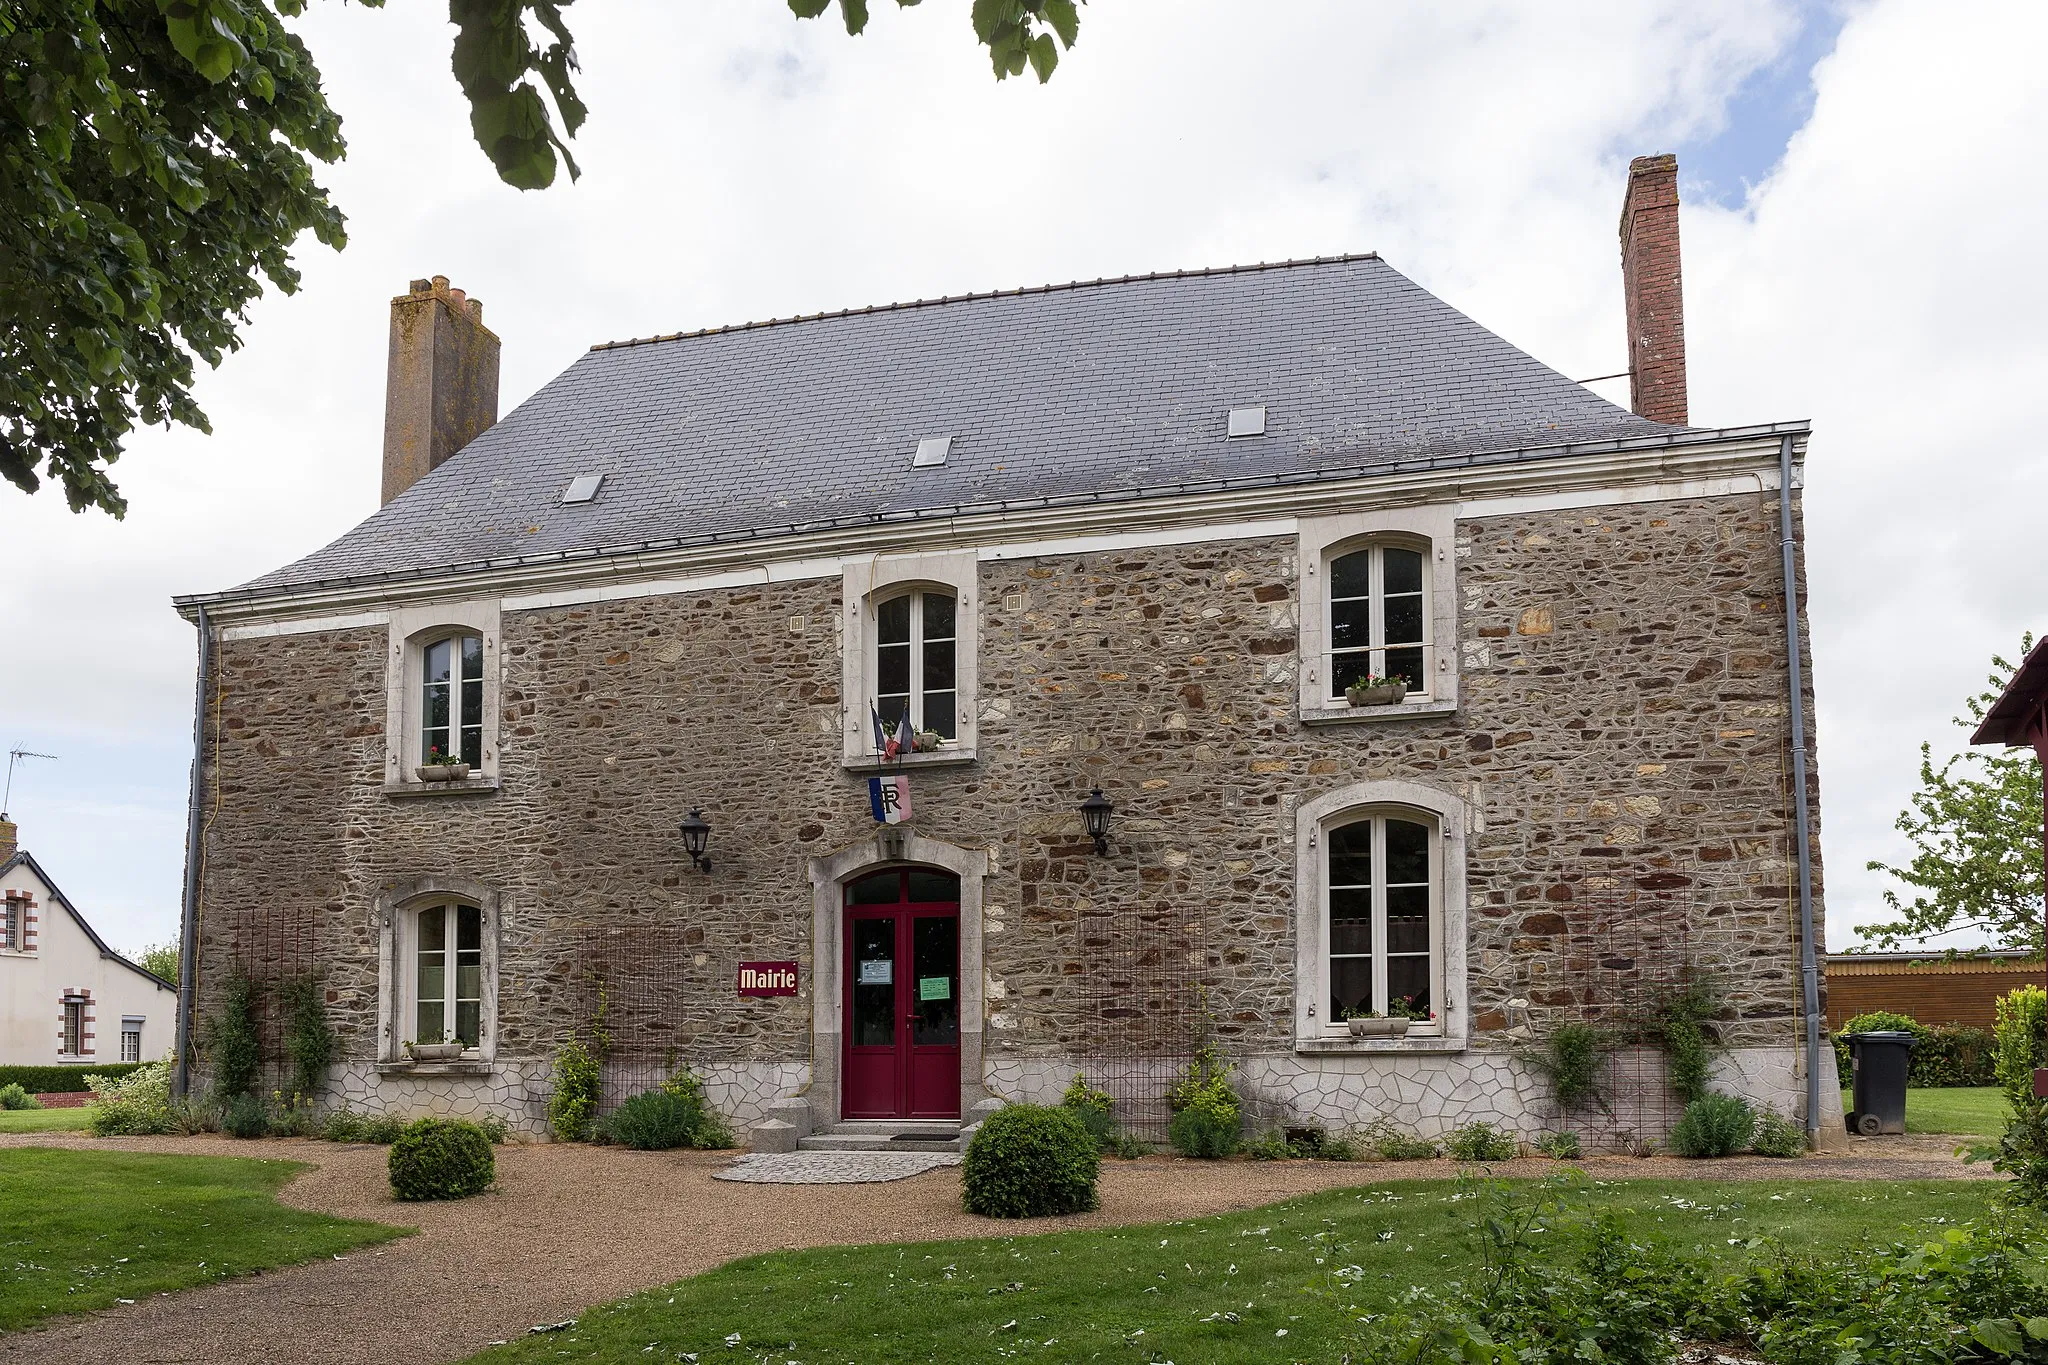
[(767, 978)]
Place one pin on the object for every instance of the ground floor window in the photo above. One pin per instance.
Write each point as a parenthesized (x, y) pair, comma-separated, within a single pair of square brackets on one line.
[(1383, 873), (74, 1027), (448, 974), (131, 1039)]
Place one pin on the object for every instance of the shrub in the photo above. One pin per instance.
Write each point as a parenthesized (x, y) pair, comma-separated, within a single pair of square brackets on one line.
[(62, 1080), (1678, 1026), (2022, 1033), (382, 1129), (1210, 1122), (245, 1116), (2022, 1153), (1029, 1160), (1713, 1125), (1953, 1055), (1480, 1141), (572, 1108), (441, 1159), (232, 1042), (137, 1103), (655, 1121), (1571, 1057), (495, 1129), (1389, 1143), (308, 1041), (713, 1133), (1777, 1135), (1272, 1146), (1093, 1107), (1563, 1146), (12, 1096), (1124, 1146)]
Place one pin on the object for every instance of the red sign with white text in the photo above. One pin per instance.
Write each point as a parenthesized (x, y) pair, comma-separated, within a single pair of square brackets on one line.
[(767, 978)]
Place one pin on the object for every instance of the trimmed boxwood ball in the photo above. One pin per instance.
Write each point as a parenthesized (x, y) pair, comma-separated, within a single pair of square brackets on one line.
[(441, 1159), (1028, 1161)]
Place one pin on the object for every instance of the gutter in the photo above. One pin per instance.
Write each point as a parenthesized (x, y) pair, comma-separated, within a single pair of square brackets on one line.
[(1809, 967), (188, 932)]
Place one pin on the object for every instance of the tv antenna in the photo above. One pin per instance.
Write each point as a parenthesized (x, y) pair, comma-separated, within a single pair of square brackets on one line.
[(15, 756)]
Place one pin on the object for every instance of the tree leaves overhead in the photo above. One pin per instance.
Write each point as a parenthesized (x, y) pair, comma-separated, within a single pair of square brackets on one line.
[(156, 166), (1977, 843)]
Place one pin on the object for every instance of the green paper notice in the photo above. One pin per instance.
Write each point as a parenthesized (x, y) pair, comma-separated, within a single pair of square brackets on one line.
[(935, 988)]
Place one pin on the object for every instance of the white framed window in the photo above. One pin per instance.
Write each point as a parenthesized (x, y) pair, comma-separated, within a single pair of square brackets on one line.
[(12, 922), (452, 699), (1382, 920), (1378, 600), (916, 658), (131, 1039), (909, 643), (437, 977), (441, 679), (447, 952), (1380, 914)]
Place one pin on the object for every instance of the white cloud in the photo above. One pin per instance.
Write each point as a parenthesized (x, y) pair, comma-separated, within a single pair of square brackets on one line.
[(739, 165)]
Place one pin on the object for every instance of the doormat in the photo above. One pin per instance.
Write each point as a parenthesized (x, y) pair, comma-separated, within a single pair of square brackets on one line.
[(833, 1168)]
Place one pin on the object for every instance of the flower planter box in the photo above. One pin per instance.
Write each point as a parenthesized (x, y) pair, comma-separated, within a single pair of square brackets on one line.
[(443, 772), (1386, 694), (1378, 1028), (434, 1052), (927, 742)]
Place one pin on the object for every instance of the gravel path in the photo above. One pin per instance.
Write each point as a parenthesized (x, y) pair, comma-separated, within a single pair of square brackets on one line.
[(572, 1226)]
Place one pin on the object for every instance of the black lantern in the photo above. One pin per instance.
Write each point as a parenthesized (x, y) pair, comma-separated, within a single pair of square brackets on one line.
[(696, 829), (1095, 813)]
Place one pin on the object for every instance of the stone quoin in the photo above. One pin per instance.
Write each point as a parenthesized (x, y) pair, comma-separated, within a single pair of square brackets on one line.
[(1019, 527)]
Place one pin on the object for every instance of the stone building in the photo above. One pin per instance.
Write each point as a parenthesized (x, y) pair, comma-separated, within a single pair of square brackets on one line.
[(1133, 535)]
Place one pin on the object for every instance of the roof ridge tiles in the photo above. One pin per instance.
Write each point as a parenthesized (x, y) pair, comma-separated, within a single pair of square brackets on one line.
[(903, 306)]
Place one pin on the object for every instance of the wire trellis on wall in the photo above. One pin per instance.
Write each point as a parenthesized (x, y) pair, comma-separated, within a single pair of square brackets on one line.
[(1144, 989), (640, 979)]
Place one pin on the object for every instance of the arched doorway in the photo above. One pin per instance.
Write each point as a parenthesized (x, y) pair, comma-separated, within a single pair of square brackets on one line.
[(900, 990)]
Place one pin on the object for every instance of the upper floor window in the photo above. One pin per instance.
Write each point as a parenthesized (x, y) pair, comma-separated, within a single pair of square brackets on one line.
[(1382, 881), (1379, 618), (452, 700), (447, 953), (14, 924), (915, 661)]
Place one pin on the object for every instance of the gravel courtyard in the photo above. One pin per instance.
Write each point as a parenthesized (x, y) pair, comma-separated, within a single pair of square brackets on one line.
[(573, 1226)]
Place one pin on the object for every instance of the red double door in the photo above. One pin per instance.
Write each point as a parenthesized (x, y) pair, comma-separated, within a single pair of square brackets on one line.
[(902, 996)]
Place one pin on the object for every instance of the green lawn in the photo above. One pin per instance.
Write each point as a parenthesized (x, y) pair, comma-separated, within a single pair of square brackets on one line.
[(84, 1229), (44, 1120), (1291, 1278), (1978, 1111)]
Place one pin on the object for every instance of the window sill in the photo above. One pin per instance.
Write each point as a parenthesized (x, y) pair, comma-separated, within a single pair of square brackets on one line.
[(1352, 715), (466, 788), (464, 1066), (1358, 1047), (875, 763)]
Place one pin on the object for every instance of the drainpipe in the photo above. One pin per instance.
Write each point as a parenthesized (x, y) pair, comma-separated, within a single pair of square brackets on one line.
[(1809, 965), (188, 933)]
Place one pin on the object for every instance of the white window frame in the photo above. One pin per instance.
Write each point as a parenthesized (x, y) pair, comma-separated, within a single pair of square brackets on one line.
[(1322, 540), (396, 909), (412, 631), (1377, 818), (867, 583), (412, 943), (131, 1027), (1445, 813)]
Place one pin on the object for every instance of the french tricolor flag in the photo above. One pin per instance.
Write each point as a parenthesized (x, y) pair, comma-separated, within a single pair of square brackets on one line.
[(889, 797)]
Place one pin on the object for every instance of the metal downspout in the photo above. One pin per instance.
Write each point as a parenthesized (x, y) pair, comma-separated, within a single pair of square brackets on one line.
[(1809, 966), (188, 932)]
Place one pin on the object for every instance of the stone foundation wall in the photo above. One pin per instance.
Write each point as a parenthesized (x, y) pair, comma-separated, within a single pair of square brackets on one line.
[(1622, 725)]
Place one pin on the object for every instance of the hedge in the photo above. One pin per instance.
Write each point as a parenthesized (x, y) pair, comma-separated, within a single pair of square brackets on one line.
[(61, 1080), (1943, 1054)]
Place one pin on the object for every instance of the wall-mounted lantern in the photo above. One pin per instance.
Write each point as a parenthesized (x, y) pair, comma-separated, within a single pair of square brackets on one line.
[(696, 831), (1095, 813)]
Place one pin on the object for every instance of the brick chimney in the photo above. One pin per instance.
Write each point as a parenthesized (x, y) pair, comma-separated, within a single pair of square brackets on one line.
[(441, 387), (10, 837), (1651, 296)]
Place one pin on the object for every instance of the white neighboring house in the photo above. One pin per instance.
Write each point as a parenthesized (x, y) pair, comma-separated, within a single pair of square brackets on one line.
[(65, 996)]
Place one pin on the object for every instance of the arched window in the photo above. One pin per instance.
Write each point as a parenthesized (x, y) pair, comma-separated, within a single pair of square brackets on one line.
[(1382, 889), (447, 974), (915, 643), (1379, 617), (452, 700)]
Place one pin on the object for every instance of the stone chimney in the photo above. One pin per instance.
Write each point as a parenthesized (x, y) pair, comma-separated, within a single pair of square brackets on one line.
[(10, 837), (1651, 296), (441, 388)]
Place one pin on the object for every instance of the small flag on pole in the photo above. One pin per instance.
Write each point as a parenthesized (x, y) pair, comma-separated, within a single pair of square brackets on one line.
[(889, 797)]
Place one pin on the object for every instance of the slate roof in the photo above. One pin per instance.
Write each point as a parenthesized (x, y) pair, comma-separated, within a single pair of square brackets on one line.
[(22, 858), (1111, 388)]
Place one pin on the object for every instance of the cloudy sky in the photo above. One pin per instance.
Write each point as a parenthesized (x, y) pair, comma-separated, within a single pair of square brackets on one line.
[(1863, 220)]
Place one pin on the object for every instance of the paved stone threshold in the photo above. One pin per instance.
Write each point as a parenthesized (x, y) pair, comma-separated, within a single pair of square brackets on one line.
[(834, 1168)]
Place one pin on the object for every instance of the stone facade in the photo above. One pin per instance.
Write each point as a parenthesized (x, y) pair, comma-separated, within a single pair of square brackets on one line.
[(1622, 724)]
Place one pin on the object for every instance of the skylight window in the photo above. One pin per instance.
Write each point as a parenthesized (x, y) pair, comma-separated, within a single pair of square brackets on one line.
[(1248, 421), (582, 488), (931, 451)]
